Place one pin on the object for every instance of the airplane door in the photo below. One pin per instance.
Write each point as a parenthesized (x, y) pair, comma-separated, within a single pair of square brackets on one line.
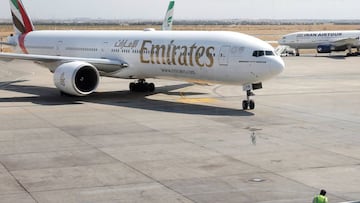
[(105, 50), (224, 55)]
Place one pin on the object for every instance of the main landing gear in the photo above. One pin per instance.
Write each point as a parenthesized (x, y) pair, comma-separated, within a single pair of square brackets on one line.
[(353, 54), (249, 103), (141, 86), (350, 53)]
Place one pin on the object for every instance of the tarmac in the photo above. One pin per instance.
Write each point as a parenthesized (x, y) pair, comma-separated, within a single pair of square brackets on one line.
[(183, 143)]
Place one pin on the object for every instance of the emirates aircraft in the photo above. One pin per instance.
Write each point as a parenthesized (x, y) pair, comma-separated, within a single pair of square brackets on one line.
[(79, 58)]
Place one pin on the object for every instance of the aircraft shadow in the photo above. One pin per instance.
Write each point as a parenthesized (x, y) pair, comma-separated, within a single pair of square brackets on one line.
[(51, 96), (336, 57)]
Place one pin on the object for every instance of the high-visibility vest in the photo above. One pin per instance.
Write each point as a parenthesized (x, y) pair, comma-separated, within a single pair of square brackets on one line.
[(320, 199)]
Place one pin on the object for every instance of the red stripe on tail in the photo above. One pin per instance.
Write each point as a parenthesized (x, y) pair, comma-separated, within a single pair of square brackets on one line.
[(27, 23), (22, 43)]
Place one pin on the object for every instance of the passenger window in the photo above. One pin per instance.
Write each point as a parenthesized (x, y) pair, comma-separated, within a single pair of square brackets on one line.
[(237, 51)]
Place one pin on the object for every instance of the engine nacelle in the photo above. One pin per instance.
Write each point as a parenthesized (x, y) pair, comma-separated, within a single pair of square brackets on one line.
[(324, 49), (76, 78)]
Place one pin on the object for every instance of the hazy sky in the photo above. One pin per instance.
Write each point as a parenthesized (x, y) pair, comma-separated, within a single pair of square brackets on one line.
[(189, 9)]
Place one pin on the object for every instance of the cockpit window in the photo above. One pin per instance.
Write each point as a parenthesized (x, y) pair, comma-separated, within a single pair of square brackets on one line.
[(259, 53), (269, 53)]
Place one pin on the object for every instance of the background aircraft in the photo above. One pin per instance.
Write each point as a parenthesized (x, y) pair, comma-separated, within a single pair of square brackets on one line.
[(323, 41), (168, 20)]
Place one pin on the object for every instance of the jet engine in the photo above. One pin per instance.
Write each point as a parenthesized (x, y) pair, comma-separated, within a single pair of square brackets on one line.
[(76, 78), (324, 49)]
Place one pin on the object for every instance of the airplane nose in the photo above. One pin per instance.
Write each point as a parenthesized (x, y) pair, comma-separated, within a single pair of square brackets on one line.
[(277, 66), (282, 41)]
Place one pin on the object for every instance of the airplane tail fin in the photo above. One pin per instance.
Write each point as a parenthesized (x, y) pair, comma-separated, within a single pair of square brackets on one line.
[(168, 21), (21, 20)]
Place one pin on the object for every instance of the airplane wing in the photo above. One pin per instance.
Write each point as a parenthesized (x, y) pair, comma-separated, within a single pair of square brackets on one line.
[(105, 66), (7, 44), (346, 41)]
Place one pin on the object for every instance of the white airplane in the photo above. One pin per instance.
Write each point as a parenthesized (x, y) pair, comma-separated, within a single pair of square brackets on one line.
[(323, 41), (168, 20), (79, 58)]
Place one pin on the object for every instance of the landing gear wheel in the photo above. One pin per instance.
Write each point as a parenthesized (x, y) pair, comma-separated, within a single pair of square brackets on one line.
[(252, 104), (151, 87), (132, 87), (245, 105), (352, 54), (248, 103)]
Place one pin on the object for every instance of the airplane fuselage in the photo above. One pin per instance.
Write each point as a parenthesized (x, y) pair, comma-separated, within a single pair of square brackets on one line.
[(195, 56)]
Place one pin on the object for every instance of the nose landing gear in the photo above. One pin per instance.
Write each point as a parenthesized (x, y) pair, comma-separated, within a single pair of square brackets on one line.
[(249, 103)]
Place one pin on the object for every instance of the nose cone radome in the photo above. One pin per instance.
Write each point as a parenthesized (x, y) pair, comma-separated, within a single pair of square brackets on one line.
[(277, 66), (284, 40)]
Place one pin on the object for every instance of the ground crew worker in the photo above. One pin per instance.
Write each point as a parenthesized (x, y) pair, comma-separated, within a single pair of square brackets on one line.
[(321, 197)]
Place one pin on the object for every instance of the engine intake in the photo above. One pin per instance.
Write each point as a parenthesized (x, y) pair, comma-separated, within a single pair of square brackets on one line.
[(76, 78), (324, 49)]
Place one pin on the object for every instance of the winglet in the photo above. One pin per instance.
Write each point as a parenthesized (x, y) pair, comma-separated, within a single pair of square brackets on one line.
[(168, 21), (21, 20)]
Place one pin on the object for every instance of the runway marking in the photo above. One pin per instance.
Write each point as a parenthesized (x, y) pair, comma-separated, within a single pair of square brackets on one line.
[(184, 99), (197, 100), (352, 202)]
